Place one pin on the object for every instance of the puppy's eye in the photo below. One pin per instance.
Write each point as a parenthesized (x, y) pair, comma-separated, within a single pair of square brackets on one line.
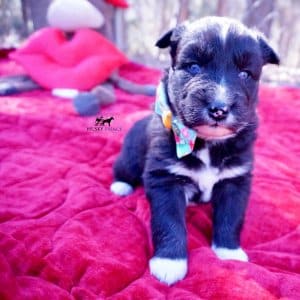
[(193, 69), (244, 75)]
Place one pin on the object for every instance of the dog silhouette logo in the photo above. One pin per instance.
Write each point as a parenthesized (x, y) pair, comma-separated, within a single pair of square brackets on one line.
[(100, 125), (101, 121)]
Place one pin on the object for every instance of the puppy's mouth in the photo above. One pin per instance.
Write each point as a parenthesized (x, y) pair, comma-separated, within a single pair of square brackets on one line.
[(214, 132)]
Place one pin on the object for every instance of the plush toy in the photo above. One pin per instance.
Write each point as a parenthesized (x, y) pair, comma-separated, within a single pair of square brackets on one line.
[(71, 55), (88, 103), (72, 15)]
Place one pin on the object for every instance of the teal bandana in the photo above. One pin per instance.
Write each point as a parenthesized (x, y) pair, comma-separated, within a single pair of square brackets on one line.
[(184, 136)]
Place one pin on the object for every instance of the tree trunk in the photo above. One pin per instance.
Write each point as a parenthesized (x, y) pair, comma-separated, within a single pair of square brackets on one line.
[(108, 12), (37, 11), (222, 8), (260, 14), (183, 11)]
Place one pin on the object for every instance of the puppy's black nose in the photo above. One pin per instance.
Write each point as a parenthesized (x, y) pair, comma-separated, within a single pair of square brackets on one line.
[(218, 111)]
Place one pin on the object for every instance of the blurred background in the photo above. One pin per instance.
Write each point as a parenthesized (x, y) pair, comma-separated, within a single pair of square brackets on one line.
[(135, 29)]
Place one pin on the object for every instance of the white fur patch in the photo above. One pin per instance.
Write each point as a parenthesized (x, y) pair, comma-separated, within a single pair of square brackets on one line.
[(207, 176), (203, 155), (121, 188), (230, 119), (222, 96), (225, 253), (221, 92), (189, 194), (168, 270), (224, 29)]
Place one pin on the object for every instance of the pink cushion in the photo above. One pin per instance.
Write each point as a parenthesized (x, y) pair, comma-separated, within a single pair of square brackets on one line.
[(82, 62)]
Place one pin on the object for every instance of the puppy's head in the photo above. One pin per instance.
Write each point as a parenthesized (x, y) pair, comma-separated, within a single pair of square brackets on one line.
[(213, 81)]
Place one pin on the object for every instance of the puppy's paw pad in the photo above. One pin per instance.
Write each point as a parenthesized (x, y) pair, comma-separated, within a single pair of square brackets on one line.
[(168, 270), (121, 188), (225, 253)]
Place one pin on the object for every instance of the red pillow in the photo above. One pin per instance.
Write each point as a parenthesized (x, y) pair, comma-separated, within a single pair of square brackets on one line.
[(81, 63)]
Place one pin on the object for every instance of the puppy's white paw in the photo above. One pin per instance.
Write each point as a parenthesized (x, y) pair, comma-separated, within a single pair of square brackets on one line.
[(168, 270), (225, 253), (121, 188)]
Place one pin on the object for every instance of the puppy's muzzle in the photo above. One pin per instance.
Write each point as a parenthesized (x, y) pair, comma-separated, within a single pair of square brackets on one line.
[(218, 111)]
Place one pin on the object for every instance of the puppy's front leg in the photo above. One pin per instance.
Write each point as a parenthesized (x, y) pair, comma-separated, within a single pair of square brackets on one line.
[(169, 263), (229, 201)]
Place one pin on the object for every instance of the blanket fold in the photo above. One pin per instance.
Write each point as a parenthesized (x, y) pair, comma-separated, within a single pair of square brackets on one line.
[(63, 235)]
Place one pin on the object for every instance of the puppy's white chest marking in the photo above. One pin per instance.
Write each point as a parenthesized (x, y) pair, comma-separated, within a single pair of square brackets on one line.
[(207, 176)]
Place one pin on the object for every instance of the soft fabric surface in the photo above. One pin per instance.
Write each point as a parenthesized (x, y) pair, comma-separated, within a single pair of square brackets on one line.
[(83, 62), (71, 15), (63, 235)]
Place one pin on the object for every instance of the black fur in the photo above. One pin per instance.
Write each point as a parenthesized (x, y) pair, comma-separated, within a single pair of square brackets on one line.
[(149, 148)]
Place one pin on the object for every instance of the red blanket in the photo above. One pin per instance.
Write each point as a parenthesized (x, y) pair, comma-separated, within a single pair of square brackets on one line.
[(63, 235)]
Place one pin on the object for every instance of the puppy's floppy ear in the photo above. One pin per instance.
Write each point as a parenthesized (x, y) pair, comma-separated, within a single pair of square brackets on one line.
[(171, 39), (165, 40), (268, 54)]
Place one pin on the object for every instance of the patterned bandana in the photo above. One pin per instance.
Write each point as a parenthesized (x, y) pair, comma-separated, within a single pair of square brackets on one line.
[(184, 136)]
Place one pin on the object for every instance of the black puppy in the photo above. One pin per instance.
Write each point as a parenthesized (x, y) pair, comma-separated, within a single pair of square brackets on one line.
[(198, 145)]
